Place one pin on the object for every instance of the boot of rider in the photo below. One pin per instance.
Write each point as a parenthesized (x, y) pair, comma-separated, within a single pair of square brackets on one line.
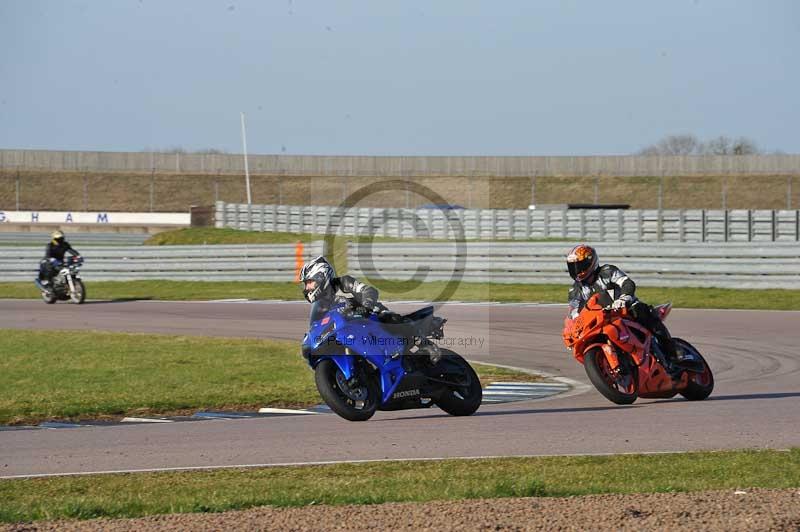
[(669, 348)]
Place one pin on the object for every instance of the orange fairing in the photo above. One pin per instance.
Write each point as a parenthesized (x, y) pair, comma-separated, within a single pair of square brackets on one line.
[(618, 336)]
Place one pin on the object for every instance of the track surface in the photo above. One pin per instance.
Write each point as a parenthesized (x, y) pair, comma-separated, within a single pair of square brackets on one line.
[(756, 403)]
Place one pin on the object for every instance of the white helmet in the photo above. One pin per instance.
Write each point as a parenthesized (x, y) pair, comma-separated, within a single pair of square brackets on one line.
[(322, 273)]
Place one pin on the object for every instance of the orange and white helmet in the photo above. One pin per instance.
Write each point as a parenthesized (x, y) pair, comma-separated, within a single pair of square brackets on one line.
[(582, 262)]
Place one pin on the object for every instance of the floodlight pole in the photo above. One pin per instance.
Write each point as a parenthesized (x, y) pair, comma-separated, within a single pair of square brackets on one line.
[(246, 168)]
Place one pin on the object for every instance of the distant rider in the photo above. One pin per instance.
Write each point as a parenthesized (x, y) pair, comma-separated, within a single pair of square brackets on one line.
[(320, 284), (618, 290), (54, 256)]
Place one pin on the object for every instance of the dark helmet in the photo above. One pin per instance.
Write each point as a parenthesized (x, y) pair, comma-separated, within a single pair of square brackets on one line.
[(321, 273), (57, 237), (582, 262)]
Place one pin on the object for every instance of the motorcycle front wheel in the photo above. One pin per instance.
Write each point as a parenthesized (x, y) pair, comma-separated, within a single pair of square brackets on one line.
[(618, 387), (48, 297), (79, 294), (354, 401)]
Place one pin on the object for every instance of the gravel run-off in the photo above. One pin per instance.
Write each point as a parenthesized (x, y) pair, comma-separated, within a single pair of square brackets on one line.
[(747, 509)]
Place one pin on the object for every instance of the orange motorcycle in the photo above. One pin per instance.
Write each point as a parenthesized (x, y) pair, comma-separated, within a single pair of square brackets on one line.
[(624, 361)]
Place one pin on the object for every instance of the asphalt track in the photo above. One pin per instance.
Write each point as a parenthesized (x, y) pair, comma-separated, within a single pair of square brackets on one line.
[(756, 403)]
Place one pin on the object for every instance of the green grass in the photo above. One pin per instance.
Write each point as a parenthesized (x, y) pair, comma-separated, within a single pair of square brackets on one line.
[(71, 375), (95, 375), (404, 290), (140, 494)]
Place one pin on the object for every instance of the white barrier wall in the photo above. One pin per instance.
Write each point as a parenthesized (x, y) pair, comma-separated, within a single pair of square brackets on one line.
[(724, 265), (84, 218), (634, 225)]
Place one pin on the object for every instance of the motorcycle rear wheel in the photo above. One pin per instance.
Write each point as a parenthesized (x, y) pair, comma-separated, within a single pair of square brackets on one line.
[(327, 376), (622, 390), (700, 385), (463, 401), (79, 295)]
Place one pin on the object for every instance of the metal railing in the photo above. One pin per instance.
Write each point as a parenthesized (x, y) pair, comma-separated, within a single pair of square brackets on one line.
[(731, 265), (272, 262), (641, 225)]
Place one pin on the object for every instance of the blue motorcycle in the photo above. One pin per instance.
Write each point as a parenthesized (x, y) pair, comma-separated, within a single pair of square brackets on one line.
[(363, 362)]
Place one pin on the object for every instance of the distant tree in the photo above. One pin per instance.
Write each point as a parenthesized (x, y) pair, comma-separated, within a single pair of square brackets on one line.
[(211, 151), (674, 145), (690, 145)]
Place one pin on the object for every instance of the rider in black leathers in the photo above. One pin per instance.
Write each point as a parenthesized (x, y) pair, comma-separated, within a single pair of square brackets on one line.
[(617, 290), (320, 283), (53, 256)]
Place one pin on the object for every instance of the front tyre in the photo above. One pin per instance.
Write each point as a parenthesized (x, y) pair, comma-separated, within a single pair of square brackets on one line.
[(620, 387), (354, 401), (700, 384), (48, 297), (460, 400), (79, 294)]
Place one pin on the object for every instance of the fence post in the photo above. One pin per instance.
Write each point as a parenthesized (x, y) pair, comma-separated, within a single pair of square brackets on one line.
[(640, 224), (703, 225), (274, 218), (17, 189), (546, 221), (153, 188), (681, 225), (511, 222), (583, 224), (774, 225), (660, 226), (749, 225), (601, 214), (797, 225), (262, 213), (494, 223), (725, 224), (528, 228), (86, 195)]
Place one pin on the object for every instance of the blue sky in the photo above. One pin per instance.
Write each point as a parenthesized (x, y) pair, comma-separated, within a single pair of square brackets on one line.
[(397, 78)]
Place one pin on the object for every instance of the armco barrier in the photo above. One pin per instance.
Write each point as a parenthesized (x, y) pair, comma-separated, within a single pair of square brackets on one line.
[(515, 224), (273, 262), (732, 265)]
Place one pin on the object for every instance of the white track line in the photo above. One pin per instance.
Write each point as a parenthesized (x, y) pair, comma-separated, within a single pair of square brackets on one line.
[(369, 461)]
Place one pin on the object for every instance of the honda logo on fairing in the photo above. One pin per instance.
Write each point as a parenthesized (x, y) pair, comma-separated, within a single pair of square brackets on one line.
[(406, 393)]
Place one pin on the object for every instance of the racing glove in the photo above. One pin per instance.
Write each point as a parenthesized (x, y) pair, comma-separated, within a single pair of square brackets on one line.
[(622, 302)]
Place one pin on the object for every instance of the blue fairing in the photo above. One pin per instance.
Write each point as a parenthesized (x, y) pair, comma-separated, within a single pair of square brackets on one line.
[(335, 336)]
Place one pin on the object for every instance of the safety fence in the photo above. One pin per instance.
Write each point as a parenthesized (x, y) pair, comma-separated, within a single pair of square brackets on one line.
[(776, 164), (621, 225), (273, 262), (79, 239), (731, 265)]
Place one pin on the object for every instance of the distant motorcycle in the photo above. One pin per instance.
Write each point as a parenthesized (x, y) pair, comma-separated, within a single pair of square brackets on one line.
[(623, 359), (66, 285), (362, 365)]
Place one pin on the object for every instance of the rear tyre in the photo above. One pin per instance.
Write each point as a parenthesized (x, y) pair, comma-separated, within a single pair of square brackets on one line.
[(462, 400), (700, 384), (619, 388), (79, 295), (353, 402)]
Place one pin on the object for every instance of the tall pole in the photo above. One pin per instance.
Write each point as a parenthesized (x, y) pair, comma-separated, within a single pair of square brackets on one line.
[(246, 168)]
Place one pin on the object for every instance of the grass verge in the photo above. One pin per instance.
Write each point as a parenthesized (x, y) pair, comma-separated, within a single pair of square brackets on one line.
[(96, 375), (403, 290), (140, 494)]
